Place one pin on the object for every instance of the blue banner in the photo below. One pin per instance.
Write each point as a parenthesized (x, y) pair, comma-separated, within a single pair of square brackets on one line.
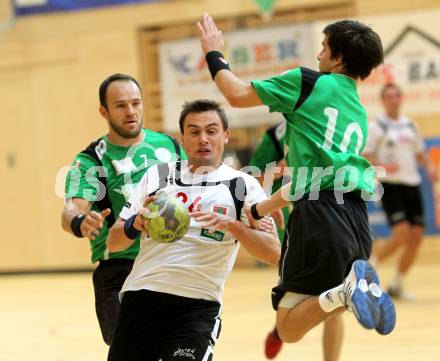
[(71, 5), (378, 218)]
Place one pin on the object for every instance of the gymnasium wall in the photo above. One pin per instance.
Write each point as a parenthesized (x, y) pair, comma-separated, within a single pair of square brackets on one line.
[(50, 70)]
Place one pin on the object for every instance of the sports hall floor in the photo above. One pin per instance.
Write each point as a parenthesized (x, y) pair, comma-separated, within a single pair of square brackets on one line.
[(51, 318)]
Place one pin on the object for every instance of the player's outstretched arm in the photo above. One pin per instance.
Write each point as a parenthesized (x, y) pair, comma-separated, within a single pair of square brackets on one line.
[(276, 201), (263, 245), (78, 219), (237, 93)]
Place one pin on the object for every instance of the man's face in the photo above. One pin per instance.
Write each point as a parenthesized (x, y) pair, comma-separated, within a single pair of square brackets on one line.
[(326, 63), (124, 109), (204, 138), (391, 99)]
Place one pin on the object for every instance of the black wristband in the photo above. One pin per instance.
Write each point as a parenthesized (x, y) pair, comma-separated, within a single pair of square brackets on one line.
[(129, 230), (75, 225), (254, 212), (216, 62)]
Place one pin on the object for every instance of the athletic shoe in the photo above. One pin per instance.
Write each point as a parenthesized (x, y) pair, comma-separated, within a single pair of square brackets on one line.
[(372, 307), (399, 293), (272, 345)]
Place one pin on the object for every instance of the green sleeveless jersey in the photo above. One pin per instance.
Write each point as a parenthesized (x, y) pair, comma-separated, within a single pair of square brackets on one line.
[(326, 130), (105, 174)]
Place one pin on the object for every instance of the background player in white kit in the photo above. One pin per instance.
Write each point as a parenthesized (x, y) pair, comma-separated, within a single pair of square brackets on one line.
[(395, 143), (171, 301)]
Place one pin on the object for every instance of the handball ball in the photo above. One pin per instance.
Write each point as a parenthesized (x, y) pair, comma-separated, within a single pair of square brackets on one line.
[(169, 219)]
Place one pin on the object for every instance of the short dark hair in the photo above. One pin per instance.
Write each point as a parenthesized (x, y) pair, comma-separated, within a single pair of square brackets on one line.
[(389, 86), (110, 79), (358, 45), (200, 106)]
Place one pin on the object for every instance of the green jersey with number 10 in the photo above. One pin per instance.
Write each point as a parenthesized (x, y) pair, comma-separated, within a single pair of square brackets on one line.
[(326, 130)]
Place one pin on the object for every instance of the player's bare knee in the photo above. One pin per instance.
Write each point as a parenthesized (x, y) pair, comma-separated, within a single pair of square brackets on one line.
[(289, 335)]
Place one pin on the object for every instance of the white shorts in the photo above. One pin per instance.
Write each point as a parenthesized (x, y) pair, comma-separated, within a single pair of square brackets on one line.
[(291, 299)]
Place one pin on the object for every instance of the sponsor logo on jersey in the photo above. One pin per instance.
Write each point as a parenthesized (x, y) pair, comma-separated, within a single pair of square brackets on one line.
[(185, 352), (127, 205), (77, 164), (101, 148), (216, 236)]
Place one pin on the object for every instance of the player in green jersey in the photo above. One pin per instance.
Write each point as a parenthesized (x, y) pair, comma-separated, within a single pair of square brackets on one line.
[(271, 150), (100, 182), (323, 268)]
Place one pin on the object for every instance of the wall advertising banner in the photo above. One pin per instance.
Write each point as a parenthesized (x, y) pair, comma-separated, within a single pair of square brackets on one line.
[(252, 54)]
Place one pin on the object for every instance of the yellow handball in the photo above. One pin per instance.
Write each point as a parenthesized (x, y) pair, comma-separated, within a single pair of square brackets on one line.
[(168, 220)]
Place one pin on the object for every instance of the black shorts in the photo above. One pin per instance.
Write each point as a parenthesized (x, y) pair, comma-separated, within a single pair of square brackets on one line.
[(108, 279), (402, 203), (323, 239), (156, 326)]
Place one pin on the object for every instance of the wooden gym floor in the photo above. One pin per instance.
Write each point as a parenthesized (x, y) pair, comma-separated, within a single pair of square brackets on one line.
[(51, 318)]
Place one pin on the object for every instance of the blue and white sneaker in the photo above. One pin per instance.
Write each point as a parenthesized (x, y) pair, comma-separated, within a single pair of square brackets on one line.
[(372, 307)]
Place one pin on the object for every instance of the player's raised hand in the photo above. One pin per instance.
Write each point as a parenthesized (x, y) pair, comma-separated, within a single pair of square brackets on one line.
[(93, 222), (210, 37)]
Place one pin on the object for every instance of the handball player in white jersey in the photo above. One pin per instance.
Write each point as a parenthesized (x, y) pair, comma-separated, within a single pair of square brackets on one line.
[(396, 144), (171, 302)]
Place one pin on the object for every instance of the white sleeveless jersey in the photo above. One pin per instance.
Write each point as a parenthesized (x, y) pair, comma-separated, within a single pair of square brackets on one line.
[(197, 265), (398, 142)]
